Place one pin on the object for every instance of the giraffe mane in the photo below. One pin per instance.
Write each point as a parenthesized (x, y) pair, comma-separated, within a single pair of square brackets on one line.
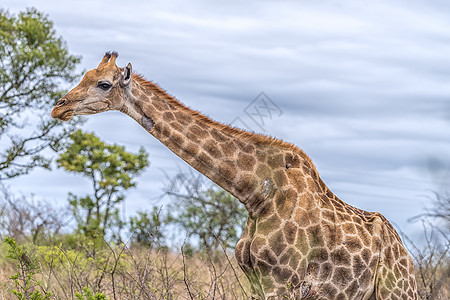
[(249, 136)]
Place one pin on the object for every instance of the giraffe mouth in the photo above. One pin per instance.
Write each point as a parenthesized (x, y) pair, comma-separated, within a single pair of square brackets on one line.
[(64, 115)]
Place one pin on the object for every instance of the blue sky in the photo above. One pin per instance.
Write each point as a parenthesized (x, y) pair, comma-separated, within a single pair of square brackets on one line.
[(362, 87)]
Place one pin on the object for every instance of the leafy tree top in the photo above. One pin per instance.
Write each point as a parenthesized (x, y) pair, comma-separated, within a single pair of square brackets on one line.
[(109, 165), (34, 65)]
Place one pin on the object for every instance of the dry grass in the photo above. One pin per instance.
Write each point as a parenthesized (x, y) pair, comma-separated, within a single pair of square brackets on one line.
[(136, 273)]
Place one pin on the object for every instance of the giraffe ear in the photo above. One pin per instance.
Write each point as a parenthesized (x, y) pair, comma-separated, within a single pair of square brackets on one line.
[(125, 76)]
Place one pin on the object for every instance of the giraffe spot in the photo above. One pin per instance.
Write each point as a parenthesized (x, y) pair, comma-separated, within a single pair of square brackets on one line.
[(177, 139), (242, 253), (257, 244), (217, 135), (323, 187), (388, 255), (328, 291), (285, 205), (277, 243), (340, 296), (292, 159), (263, 171), (183, 118), (313, 216), (295, 281), (329, 234), (165, 130), (191, 149), (302, 268), (384, 293), (295, 260), (373, 263), (246, 162), (338, 205), (397, 292), (301, 218), (245, 146), (290, 231), (281, 275), (328, 193), (404, 272), (366, 255), (349, 228), (352, 289), (261, 155), (308, 202), (228, 148), (198, 131), (284, 259), (363, 235), (328, 215), (302, 241), (227, 169), (297, 180), (280, 178), (205, 159), (265, 227), (366, 278), (315, 236), (400, 284), (340, 256), (212, 149), (313, 269), (326, 269), (268, 256), (353, 244), (281, 292), (358, 266), (160, 105), (390, 281), (342, 276), (244, 183), (411, 294), (194, 138), (321, 254), (276, 161), (177, 126), (168, 116), (311, 184)]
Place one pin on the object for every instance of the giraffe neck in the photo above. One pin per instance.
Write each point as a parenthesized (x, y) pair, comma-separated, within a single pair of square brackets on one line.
[(232, 158)]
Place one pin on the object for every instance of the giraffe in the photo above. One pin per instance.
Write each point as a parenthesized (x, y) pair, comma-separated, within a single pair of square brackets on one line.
[(300, 240)]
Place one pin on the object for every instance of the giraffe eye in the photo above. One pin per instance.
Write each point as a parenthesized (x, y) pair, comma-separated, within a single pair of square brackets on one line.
[(104, 85)]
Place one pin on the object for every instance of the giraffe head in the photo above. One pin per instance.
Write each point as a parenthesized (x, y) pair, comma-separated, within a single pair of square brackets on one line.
[(101, 89)]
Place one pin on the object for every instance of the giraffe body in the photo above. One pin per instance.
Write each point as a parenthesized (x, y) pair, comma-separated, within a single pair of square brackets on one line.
[(300, 240)]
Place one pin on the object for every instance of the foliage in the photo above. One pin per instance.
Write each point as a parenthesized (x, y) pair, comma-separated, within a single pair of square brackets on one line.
[(88, 295), (34, 63), (145, 228), (27, 266), (111, 171), (206, 212)]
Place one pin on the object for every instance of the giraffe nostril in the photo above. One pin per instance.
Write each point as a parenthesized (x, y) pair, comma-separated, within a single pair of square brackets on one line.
[(61, 102)]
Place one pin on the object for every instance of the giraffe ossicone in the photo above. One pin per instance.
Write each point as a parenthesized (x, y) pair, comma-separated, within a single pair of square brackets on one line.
[(300, 240)]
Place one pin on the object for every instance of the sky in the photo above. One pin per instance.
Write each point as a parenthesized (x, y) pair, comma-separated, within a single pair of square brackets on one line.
[(362, 87)]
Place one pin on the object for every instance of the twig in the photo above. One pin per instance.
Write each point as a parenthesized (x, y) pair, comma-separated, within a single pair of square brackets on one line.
[(184, 274)]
